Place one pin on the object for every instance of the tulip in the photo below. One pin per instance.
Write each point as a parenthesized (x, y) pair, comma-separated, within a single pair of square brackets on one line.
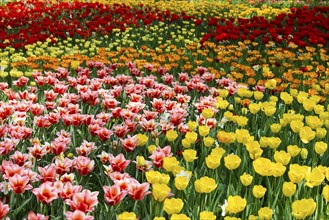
[(235, 204), (258, 191), (208, 141), (320, 147), (246, 179), (4, 209), (288, 189), (179, 217), (173, 206), (205, 185), (303, 208), (189, 155), (171, 135), (204, 130), (160, 191), (213, 161), (206, 215), (181, 182), (265, 213), (127, 216), (232, 161), (325, 193)]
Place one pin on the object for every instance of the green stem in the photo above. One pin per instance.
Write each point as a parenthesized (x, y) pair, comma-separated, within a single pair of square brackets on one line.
[(64, 208)]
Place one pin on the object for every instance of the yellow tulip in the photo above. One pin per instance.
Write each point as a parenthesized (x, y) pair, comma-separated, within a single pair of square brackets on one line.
[(207, 113), (232, 161), (313, 122), (304, 153), (181, 182), (206, 215), (278, 169), (308, 104), (226, 137), (186, 143), (235, 204), (296, 125), (171, 135), (265, 213), (263, 166), (293, 150), (169, 163), (288, 189), (160, 191), (259, 191), (179, 217), (142, 139), (204, 130), (315, 178), (325, 193), (275, 128), (127, 216), (192, 125), (246, 179), (286, 98), (321, 133), (297, 173), (274, 142), (306, 134), (173, 205), (303, 208), (208, 141), (254, 108), (212, 161), (320, 147), (205, 185), (258, 95), (270, 84), (189, 155), (191, 136), (282, 157)]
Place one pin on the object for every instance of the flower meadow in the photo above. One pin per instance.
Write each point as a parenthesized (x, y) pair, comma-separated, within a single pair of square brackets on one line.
[(164, 110)]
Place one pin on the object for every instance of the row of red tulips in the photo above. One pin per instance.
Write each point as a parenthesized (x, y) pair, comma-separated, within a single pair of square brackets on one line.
[(27, 22), (303, 26), (32, 21)]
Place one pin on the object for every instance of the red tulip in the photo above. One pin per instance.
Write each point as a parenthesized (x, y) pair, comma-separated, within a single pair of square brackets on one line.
[(83, 165), (77, 215), (4, 209), (18, 184), (46, 192), (33, 216), (84, 201), (118, 163), (138, 191), (113, 194)]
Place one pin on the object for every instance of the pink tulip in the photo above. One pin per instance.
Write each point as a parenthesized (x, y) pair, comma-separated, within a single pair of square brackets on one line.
[(77, 215), (139, 191), (84, 201), (4, 209), (48, 173), (118, 163), (46, 192), (84, 165), (18, 184), (113, 194), (130, 143), (69, 190), (33, 216)]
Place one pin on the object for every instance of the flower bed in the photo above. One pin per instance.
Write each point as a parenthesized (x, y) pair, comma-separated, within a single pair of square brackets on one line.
[(113, 111)]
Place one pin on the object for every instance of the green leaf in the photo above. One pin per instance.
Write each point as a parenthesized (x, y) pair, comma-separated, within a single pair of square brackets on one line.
[(17, 210)]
